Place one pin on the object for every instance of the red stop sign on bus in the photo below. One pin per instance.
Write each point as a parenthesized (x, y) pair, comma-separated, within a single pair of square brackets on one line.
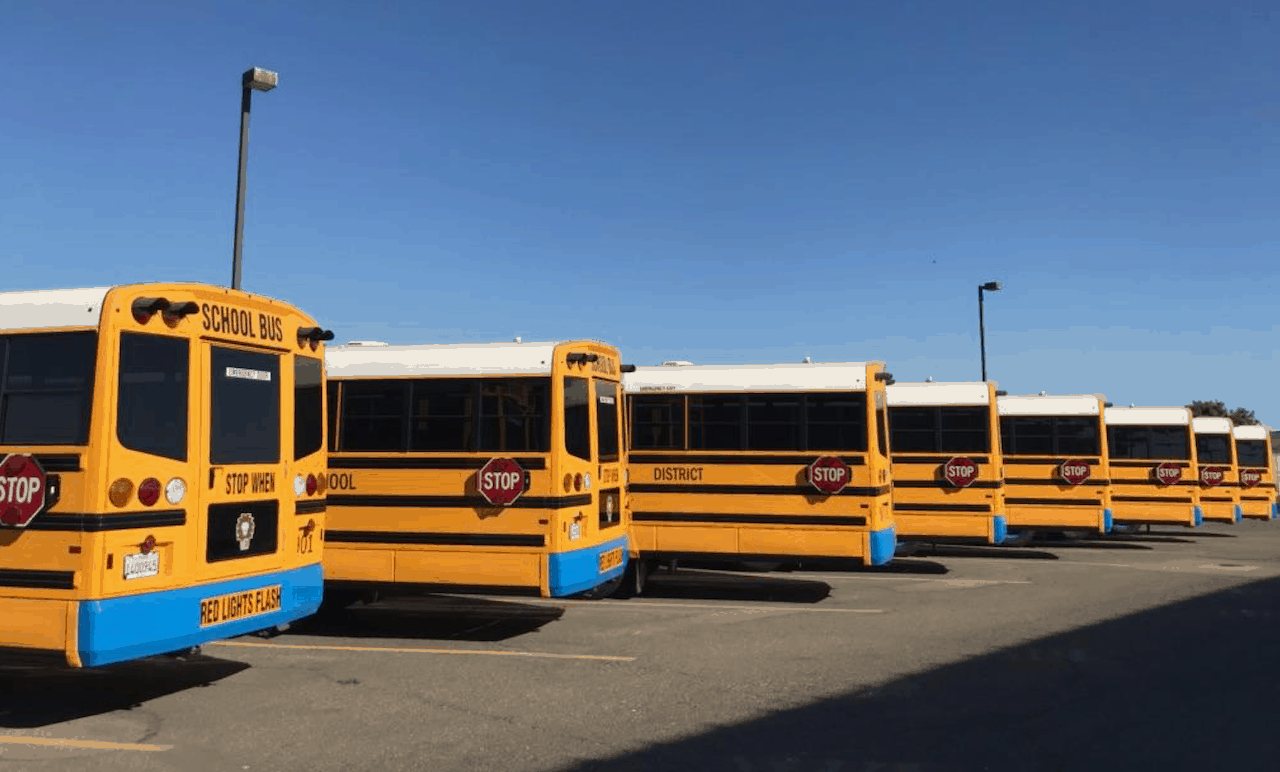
[(1168, 473), (500, 481), (22, 487), (1212, 475), (1250, 477), (1074, 471), (829, 474), (960, 471)]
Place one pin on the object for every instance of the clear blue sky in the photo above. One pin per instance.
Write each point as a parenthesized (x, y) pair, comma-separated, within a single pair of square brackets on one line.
[(728, 182)]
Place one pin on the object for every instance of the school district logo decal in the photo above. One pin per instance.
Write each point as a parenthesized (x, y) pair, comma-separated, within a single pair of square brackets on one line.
[(244, 530)]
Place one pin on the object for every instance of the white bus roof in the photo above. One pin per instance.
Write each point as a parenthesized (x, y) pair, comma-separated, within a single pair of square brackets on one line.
[(1049, 404), (1250, 432), (36, 309), (828, 376), (1148, 416), (935, 393), (382, 361), (1211, 425)]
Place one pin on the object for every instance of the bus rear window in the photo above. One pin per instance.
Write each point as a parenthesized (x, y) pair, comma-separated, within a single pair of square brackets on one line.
[(46, 388), (937, 429), (1050, 436), (151, 401), (245, 407), (577, 417), (308, 406), (606, 421), (1149, 442), (1213, 448), (1251, 452)]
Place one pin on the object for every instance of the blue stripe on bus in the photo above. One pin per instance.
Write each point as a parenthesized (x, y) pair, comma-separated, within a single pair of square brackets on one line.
[(1001, 526), (883, 544), (143, 625), (1275, 510), (1199, 513), (1239, 514), (1108, 520), (570, 573)]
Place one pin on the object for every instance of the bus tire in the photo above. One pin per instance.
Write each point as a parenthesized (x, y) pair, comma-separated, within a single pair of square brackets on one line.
[(634, 578), (1018, 538), (605, 589)]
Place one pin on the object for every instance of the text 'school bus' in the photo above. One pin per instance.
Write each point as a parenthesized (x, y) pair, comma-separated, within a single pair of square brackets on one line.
[(1056, 462), (1257, 472), (1153, 463), (1218, 472), (948, 472), (760, 462), (490, 467), (161, 447)]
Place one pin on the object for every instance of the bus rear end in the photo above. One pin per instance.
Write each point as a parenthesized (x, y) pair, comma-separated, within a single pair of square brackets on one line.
[(948, 471), (1056, 463), (1257, 472), (1153, 466), (760, 463), (1218, 473)]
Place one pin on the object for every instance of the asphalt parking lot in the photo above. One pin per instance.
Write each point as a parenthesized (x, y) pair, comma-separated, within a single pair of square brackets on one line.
[(1152, 651)]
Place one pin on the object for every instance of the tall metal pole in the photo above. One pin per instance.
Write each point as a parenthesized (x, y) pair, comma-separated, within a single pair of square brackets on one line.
[(982, 335), (240, 182)]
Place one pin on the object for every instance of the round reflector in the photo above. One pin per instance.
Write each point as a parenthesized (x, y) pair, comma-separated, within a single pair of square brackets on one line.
[(577, 482), (322, 482), (119, 492), (568, 482), (311, 484), (299, 485), (174, 490), (149, 491)]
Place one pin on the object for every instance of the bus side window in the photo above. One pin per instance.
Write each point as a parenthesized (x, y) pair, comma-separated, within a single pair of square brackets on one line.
[(332, 398), (151, 401), (577, 417)]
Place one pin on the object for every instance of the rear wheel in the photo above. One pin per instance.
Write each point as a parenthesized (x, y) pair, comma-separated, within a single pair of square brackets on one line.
[(604, 590), (337, 600), (1018, 538)]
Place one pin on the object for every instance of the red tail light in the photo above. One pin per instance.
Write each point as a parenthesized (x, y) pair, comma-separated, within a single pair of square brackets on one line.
[(311, 484), (149, 491)]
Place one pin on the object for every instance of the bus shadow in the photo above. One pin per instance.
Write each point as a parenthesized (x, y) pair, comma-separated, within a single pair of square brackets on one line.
[(1091, 544), (1099, 696), (431, 617), (36, 697), (902, 565), (701, 584), (1004, 553)]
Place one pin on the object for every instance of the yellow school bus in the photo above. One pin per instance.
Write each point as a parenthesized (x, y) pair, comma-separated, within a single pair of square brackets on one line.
[(1218, 472), (948, 471), (161, 451), (1153, 466), (1257, 472), (1057, 463), (759, 462), (492, 467)]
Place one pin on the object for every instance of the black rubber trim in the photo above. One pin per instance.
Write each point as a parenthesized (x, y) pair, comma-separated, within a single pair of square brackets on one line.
[(1063, 483), (458, 502), (43, 580), (985, 484), (419, 462), (1055, 502), (312, 507), (800, 459), (1153, 499), (976, 459), (918, 508), (766, 490), (1057, 460), (59, 462), (95, 523), (452, 539), (745, 519)]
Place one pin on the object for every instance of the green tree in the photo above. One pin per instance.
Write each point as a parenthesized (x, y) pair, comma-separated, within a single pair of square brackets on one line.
[(1239, 416), (1242, 417)]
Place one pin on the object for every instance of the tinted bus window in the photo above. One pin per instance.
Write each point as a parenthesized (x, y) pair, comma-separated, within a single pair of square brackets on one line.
[(151, 401), (332, 399), (443, 415), (773, 422), (1050, 436), (882, 422), (1213, 448), (577, 417), (657, 422), (46, 388), (1148, 442), (308, 406), (245, 407), (513, 414), (373, 416), (606, 421), (836, 421), (940, 429), (715, 422), (1251, 452)]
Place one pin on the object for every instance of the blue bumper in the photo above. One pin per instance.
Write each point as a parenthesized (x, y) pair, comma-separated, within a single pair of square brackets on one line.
[(1275, 510), (1239, 514), (1000, 527), (1199, 513), (570, 573), (1108, 520), (883, 544), (134, 626)]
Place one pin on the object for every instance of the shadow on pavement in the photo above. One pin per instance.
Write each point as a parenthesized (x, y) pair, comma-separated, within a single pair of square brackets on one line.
[(1004, 553), (897, 566), (431, 617), (1185, 686), (36, 697), (698, 584)]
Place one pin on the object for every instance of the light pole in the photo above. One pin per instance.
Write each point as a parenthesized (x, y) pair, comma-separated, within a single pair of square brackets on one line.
[(253, 79), (991, 286)]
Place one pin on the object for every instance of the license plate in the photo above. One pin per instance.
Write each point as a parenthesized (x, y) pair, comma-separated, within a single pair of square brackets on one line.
[(141, 566), (239, 605), (575, 530), (610, 560)]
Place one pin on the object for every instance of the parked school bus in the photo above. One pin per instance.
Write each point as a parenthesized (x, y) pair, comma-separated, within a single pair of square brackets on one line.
[(1153, 466), (1257, 472), (1218, 472), (759, 462), (948, 471), (480, 467), (1057, 464), (160, 451)]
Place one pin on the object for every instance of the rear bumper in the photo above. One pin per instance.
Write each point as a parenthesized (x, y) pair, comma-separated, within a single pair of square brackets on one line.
[(570, 573), (1190, 515)]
